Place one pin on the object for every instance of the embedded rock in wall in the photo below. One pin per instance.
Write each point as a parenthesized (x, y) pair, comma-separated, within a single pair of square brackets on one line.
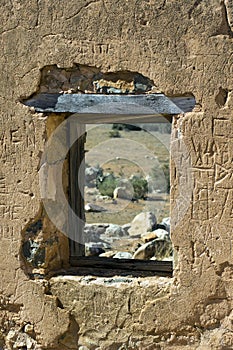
[(123, 255), (20, 340), (44, 248), (122, 83), (84, 79)]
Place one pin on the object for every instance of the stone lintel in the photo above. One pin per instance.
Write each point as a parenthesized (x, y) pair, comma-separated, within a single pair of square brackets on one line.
[(90, 105)]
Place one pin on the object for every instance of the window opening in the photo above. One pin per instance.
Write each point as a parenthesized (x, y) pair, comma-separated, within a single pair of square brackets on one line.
[(127, 191), (104, 235), (117, 109)]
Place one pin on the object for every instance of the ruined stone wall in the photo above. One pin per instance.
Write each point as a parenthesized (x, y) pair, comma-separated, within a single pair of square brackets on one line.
[(184, 47)]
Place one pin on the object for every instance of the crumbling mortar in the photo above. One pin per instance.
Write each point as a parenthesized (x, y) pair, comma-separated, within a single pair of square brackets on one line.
[(179, 336)]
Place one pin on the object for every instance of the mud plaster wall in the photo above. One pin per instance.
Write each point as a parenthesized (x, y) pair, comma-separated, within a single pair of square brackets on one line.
[(184, 47)]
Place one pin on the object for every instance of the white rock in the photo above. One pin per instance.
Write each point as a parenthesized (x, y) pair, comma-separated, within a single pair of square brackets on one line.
[(142, 223), (161, 234), (89, 207), (169, 258), (123, 255), (126, 228), (122, 192), (101, 198), (146, 251), (91, 173), (166, 223), (108, 254), (114, 230), (93, 232), (112, 233)]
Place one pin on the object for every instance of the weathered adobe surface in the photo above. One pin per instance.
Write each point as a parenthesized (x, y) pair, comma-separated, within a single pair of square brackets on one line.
[(184, 47)]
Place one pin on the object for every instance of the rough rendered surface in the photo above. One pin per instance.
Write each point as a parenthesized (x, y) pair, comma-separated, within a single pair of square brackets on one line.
[(184, 47)]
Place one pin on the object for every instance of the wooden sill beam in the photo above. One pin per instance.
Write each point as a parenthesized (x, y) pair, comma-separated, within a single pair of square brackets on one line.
[(161, 268)]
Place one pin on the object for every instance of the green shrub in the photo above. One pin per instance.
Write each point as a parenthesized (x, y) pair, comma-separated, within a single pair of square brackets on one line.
[(140, 186), (106, 184), (114, 133)]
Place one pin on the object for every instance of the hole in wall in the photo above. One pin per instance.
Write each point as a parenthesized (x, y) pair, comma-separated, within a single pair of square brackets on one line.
[(59, 303), (81, 79), (221, 97), (88, 79)]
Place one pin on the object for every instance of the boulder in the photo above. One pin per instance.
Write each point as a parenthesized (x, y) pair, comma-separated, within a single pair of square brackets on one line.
[(122, 192), (123, 255), (158, 247), (163, 227), (112, 233), (108, 254), (101, 198), (149, 236), (114, 230), (93, 208), (163, 249), (168, 258), (166, 223), (126, 228), (161, 234), (143, 223), (91, 174), (94, 249), (93, 232), (146, 251)]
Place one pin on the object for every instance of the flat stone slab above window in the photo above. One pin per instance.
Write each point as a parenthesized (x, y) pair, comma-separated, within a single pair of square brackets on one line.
[(111, 105)]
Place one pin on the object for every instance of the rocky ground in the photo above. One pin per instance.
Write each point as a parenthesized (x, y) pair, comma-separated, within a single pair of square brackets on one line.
[(143, 238), (120, 225)]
